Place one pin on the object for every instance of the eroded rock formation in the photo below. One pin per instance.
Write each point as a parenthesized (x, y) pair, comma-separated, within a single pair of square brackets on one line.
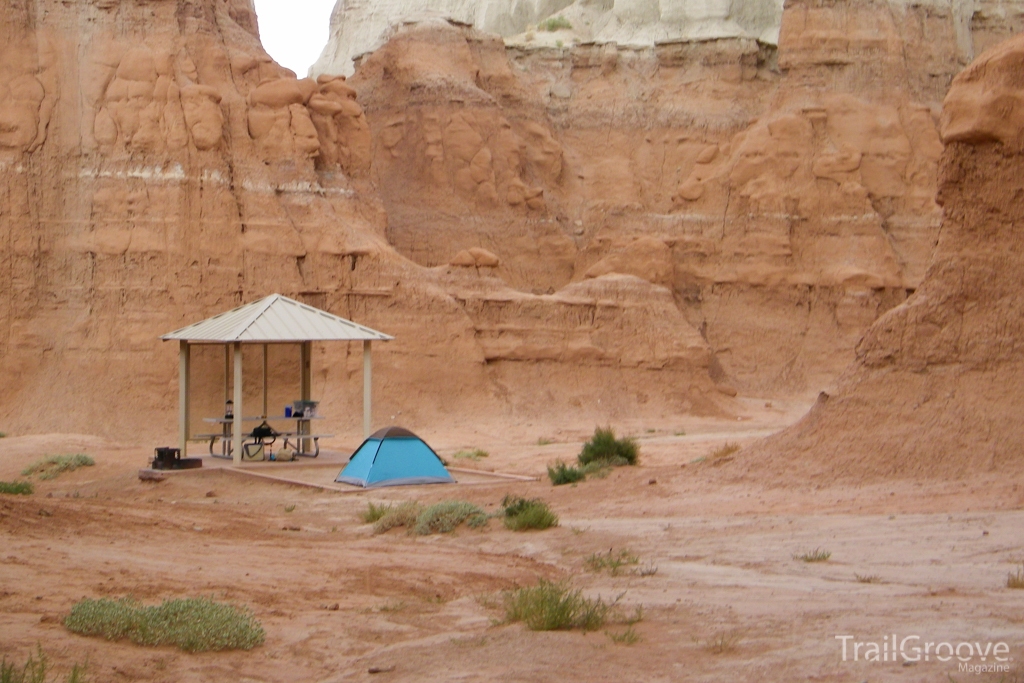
[(360, 27), (166, 169), (782, 195), (934, 390), (554, 233)]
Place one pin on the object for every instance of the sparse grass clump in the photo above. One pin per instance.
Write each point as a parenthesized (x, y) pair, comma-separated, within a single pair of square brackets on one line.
[(868, 578), (553, 607), (391, 516), (1015, 579), (374, 512), (627, 637), (553, 24), (816, 555), (723, 643), (720, 454), (565, 474), (23, 488), (521, 514), (474, 454), (36, 670), (191, 624), (51, 467), (611, 561), (603, 447), (445, 516)]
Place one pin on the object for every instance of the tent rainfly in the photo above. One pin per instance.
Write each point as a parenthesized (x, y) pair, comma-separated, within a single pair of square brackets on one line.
[(275, 319), (394, 456)]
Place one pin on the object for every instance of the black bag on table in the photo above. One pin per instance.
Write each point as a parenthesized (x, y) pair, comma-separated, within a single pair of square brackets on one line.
[(264, 431)]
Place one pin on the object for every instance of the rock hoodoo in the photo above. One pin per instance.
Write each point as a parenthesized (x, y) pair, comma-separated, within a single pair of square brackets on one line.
[(934, 390)]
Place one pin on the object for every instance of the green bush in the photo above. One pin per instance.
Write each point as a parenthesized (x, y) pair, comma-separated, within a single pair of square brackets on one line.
[(554, 606), (605, 448), (54, 465), (445, 516), (522, 514), (35, 670), (564, 474), (553, 24), (16, 487), (191, 624), (403, 514)]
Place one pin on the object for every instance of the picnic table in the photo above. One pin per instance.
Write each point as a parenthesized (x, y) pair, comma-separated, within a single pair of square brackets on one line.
[(298, 439)]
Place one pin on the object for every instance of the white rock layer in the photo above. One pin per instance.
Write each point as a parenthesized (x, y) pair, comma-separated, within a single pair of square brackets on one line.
[(360, 26)]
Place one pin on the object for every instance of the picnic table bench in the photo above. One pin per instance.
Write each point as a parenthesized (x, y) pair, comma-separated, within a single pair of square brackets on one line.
[(295, 439)]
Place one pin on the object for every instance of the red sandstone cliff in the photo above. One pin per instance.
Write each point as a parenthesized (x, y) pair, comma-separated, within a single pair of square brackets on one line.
[(587, 234), (158, 168), (935, 389), (785, 197)]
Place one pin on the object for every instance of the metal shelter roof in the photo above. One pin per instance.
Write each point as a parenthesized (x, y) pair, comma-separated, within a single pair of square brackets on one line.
[(275, 318)]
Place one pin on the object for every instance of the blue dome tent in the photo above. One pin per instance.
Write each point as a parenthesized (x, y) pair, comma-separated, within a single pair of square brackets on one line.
[(394, 456)]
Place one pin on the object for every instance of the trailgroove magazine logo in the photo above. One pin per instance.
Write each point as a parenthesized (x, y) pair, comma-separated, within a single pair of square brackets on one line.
[(971, 657)]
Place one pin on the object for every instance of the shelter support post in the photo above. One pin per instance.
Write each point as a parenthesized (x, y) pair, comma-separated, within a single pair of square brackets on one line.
[(184, 363), (227, 372), (265, 413), (367, 389), (236, 431), (306, 388)]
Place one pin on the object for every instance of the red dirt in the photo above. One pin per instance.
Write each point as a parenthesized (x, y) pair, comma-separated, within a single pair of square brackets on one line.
[(723, 547)]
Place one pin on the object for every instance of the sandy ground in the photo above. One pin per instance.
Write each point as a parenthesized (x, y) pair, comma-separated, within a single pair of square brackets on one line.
[(723, 597)]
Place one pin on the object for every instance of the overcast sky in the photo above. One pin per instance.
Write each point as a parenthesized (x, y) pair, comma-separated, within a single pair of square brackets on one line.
[(294, 31)]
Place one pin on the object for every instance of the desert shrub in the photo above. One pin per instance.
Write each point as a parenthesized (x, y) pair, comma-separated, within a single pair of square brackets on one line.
[(723, 642), (601, 468), (403, 514), (374, 512), (816, 555), (445, 516), (471, 454), (723, 452), (627, 637), (611, 561), (564, 474), (51, 467), (553, 24), (16, 487), (191, 624), (1015, 579), (522, 513), (36, 670), (867, 578), (605, 448), (554, 606)]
